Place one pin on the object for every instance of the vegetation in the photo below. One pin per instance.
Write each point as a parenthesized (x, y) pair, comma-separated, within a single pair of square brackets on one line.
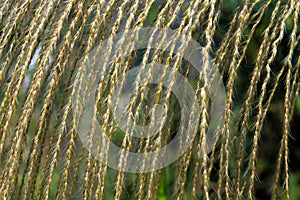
[(253, 43)]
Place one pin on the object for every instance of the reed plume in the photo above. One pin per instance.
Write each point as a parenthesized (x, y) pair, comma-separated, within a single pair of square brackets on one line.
[(52, 53)]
